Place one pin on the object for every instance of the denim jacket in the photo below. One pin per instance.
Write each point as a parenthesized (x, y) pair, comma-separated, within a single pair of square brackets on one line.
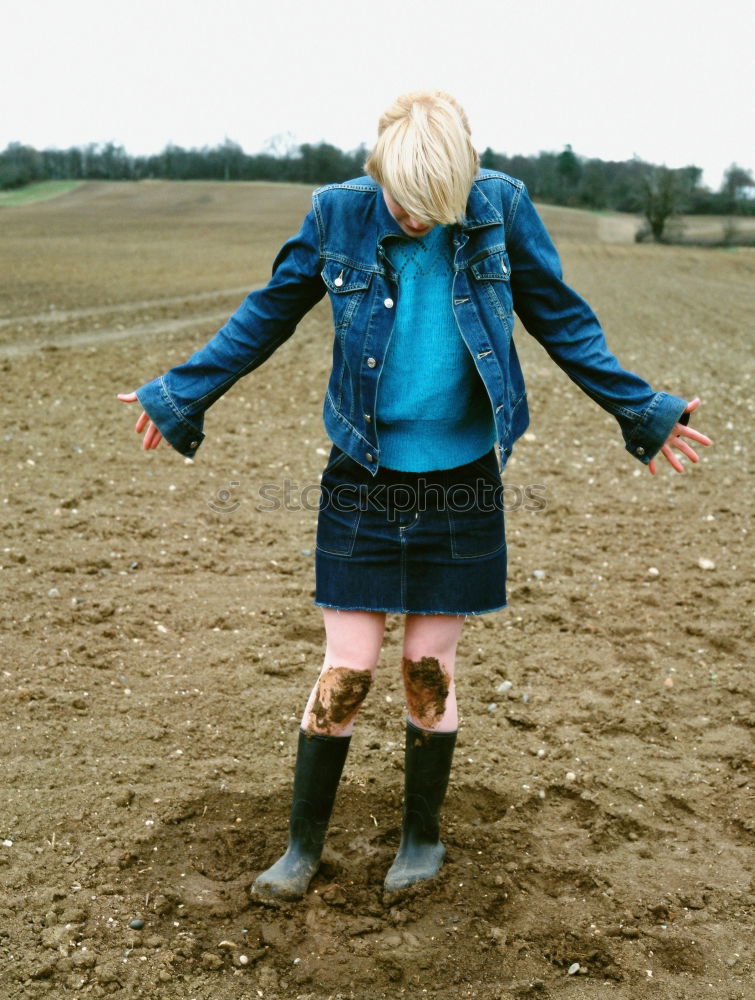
[(505, 262)]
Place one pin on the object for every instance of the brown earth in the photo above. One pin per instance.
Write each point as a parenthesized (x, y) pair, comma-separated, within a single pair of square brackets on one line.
[(158, 646)]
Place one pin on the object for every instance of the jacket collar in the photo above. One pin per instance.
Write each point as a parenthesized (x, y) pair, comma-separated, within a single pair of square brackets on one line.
[(480, 213)]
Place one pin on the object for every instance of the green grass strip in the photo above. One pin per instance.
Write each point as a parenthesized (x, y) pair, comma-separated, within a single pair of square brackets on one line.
[(36, 192)]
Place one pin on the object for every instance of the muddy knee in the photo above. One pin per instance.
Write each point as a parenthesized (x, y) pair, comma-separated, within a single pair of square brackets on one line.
[(337, 697), (426, 684)]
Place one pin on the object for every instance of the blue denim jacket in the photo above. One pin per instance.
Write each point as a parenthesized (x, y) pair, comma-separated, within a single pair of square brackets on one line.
[(505, 262)]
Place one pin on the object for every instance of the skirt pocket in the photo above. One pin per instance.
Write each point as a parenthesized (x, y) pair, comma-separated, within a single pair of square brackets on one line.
[(476, 533), (340, 506), (475, 510)]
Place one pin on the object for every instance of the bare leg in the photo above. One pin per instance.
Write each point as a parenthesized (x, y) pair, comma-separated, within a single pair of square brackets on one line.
[(429, 659), (353, 641)]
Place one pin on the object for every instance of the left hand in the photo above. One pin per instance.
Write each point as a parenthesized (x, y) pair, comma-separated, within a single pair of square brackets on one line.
[(153, 437), (675, 439)]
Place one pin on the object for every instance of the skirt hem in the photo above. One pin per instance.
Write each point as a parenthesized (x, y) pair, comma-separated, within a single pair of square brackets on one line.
[(409, 611)]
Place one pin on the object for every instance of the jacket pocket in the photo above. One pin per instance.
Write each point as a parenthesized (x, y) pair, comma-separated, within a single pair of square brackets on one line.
[(492, 277), (347, 287), (494, 267)]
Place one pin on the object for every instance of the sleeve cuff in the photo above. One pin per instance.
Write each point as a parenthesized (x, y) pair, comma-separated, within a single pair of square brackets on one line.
[(651, 431), (182, 434)]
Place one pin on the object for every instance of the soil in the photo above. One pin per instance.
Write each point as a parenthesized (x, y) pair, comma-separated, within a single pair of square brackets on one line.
[(159, 643)]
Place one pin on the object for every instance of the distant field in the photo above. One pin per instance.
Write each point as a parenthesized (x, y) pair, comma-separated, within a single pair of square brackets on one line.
[(37, 192), (713, 227)]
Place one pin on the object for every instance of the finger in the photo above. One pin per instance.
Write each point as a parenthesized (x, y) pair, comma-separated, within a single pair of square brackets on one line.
[(651, 466), (127, 397), (692, 405), (690, 432), (142, 422), (671, 458), (685, 449), (152, 437)]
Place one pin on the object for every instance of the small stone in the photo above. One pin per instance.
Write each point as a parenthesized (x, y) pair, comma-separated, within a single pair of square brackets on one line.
[(243, 960), (226, 945), (492, 707), (704, 563), (573, 969), (668, 683), (45, 969), (83, 959), (334, 895), (161, 905), (210, 961), (504, 687), (7, 843), (136, 925), (57, 938), (539, 574), (110, 972), (124, 798), (53, 592), (570, 776), (654, 571)]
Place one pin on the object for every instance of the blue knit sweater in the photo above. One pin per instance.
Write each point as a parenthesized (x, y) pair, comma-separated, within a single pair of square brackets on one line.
[(433, 411)]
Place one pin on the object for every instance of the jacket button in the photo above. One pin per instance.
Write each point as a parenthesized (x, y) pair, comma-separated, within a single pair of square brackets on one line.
[(370, 457), (640, 451), (388, 303), (371, 362), (368, 418), (194, 444)]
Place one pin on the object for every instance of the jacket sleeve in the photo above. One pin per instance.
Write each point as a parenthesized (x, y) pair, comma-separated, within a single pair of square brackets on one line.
[(570, 332), (176, 401)]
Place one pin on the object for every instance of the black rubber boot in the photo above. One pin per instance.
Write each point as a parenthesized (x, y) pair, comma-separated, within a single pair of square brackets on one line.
[(426, 771), (319, 763)]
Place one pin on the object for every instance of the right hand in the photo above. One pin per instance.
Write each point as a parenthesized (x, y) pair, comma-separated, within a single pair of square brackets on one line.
[(153, 437)]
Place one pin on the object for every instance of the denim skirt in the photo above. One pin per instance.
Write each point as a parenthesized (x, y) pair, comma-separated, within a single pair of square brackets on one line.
[(427, 543)]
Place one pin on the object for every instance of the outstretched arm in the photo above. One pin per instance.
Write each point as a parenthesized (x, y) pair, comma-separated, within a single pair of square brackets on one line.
[(569, 330), (177, 400)]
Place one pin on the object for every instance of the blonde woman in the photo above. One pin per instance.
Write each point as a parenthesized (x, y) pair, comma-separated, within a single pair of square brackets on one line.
[(425, 260)]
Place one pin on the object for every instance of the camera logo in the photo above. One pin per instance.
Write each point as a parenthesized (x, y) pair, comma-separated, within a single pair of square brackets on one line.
[(222, 502)]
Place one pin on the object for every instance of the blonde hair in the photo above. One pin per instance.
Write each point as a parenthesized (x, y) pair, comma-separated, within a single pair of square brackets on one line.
[(424, 157)]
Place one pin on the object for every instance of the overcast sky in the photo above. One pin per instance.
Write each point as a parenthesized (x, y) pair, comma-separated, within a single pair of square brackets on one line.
[(671, 81)]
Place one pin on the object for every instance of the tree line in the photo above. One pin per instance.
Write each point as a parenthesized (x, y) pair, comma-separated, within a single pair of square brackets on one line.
[(560, 178)]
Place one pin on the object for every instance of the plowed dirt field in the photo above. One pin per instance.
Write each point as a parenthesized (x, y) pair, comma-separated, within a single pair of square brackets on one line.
[(159, 643)]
